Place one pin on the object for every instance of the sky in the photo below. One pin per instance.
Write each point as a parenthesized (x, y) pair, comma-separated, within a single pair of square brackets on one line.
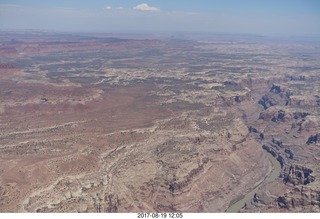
[(264, 17)]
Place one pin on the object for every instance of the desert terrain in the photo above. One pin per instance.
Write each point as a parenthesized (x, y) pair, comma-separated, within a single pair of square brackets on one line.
[(107, 123)]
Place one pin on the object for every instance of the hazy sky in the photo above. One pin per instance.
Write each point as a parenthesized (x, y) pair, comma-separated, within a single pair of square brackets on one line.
[(269, 17)]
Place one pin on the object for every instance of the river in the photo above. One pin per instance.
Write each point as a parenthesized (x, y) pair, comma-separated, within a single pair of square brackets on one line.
[(240, 201)]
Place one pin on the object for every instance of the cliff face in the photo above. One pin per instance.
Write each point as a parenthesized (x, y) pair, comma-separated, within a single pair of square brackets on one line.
[(276, 96), (313, 139), (263, 83), (288, 129), (298, 175), (301, 199)]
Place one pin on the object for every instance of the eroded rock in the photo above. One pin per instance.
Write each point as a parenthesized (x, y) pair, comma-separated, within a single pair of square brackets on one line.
[(298, 175)]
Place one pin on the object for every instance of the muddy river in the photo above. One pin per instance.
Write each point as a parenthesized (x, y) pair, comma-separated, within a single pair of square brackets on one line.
[(239, 202)]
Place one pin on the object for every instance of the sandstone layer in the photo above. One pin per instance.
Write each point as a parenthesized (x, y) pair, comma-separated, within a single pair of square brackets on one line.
[(129, 125)]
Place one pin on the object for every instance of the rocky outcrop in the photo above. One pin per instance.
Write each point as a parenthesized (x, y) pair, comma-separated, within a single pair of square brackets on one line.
[(313, 139), (266, 102), (279, 158), (298, 78), (261, 136), (175, 186), (302, 199), (300, 115), (256, 200), (278, 143), (280, 117), (276, 89), (298, 175), (270, 150), (289, 153), (282, 202), (253, 130), (263, 82), (305, 100), (111, 202), (276, 96), (268, 115), (235, 99), (281, 161)]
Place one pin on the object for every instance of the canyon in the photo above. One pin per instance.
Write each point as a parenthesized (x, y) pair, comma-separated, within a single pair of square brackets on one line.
[(105, 123)]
